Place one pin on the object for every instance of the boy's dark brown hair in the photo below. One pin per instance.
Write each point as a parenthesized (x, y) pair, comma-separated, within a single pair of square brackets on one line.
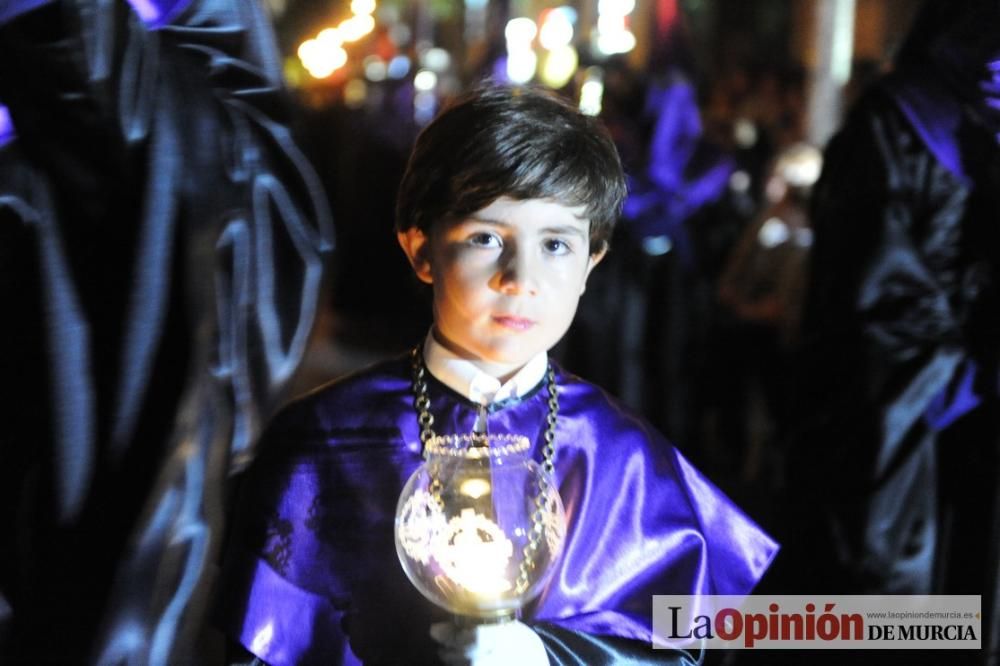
[(517, 142)]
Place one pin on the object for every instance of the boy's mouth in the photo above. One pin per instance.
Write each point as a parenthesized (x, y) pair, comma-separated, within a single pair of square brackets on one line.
[(514, 323)]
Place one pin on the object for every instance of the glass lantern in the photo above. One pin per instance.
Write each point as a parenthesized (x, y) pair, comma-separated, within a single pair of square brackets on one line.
[(479, 525)]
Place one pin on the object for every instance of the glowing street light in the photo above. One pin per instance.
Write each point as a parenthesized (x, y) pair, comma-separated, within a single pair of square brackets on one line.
[(321, 58), (363, 7), (557, 28), (356, 27), (520, 31)]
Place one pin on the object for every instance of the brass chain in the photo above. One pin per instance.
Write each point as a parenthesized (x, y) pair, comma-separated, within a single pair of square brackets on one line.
[(538, 515), (422, 403)]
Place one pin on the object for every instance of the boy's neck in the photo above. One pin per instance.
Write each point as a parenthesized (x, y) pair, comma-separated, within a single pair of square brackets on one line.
[(500, 371)]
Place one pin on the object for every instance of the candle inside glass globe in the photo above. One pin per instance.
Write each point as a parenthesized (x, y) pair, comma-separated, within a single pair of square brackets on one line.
[(479, 525)]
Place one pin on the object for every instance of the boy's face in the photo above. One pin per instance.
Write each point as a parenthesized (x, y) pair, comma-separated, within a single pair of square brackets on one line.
[(506, 280)]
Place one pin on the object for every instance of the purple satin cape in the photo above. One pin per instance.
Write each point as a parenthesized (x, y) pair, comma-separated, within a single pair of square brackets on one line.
[(312, 574)]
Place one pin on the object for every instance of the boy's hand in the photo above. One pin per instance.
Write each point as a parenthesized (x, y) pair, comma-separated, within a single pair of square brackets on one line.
[(489, 644)]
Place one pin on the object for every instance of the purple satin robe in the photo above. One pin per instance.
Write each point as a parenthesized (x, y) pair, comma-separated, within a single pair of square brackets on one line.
[(312, 573)]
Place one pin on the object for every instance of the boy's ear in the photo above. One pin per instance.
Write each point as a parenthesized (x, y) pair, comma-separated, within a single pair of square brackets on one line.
[(417, 248), (595, 259)]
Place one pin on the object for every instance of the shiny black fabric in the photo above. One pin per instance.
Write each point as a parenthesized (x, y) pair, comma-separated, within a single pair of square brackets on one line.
[(902, 305), (572, 648), (161, 247), (564, 647)]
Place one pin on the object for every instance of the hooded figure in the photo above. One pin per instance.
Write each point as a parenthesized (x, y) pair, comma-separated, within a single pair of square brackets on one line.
[(894, 465), (149, 195)]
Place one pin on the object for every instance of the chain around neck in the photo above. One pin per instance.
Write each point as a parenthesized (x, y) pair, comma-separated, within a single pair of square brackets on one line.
[(422, 403)]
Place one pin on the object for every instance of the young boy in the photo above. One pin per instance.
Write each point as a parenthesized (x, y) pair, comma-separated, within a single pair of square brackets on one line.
[(506, 206)]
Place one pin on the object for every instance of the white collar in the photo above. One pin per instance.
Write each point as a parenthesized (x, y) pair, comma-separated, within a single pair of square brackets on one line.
[(463, 377)]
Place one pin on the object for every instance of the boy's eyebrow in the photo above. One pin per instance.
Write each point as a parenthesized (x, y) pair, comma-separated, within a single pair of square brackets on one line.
[(560, 229), (576, 231)]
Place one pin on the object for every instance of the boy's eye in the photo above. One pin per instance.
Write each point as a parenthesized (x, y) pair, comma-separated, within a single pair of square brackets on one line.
[(484, 239), (556, 246)]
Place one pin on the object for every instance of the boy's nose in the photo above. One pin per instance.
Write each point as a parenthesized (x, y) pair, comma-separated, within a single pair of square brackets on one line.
[(516, 275)]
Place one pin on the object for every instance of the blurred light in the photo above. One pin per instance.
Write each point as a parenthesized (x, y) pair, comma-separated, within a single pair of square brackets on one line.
[(568, 12), (399, 67), (592, 92), (425, 80), (773, 233), (337, 57), (615, 7), (521, 65), (436, 59), (557, 29), (400, 34), (610, 43), (744, 133), (362, 6), (306, 49), (805, 174), (293, 71), (330, 36), (559, 66), (803, 237), (324, 68), (355, 93), (776, 189), (476, 4), (321, 58), (739, 181), (613, 35), (801, 165), (356, 27), (388, 14), (666, 16), (520, 31), (375, 70), (474, 488), (843, 42), (320, 71), (424, 106), (608, 24), (657, 246)]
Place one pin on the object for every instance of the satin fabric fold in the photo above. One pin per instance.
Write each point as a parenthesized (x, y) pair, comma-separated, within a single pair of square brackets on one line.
[(155, 13), (11, 9), (934, 113), (317, 511), (571, 648)]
